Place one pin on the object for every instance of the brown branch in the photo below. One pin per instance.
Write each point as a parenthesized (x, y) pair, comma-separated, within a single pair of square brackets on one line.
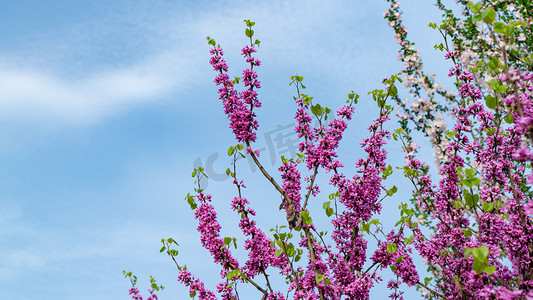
[(431, 290), (310, 187), (289, 201)]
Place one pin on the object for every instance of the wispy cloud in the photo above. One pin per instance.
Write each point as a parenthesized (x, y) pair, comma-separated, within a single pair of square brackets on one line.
[(30, 92)]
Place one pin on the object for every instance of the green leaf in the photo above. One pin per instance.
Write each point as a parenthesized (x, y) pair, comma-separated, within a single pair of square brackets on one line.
[(467, 252), (392, 248), (494, 63), (450, 134), (326, 204), (387, 172), (427, 280), (278, 252), (317, 110), (249, 33), (190, 200), (290, 250), (509, 118), (471, 200), (163, 249), (211, 41), (231, 150), (499, 27), (470, 182), (329, 211), (476, 8), (233, 274), (478, 266), (457, 204), (499, 88), (392, 190), (491, 101), (470, 173), (519, 23), (393, 91), (490, 270), (467, 182), (306, 218), (488, 15), (488, 207), (481, 253)]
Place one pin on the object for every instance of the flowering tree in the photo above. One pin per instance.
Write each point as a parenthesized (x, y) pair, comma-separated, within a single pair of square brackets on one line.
[(470, 222)]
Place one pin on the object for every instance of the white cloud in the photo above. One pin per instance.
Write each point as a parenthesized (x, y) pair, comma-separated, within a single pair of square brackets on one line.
[(33, 93)]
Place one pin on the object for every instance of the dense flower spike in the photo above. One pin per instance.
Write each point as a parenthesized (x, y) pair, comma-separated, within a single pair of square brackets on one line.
[(209, 229), (260, 253), (238, 106), (196, 287)]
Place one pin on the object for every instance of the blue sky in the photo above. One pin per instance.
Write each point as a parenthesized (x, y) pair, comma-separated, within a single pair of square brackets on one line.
[(105, 105)]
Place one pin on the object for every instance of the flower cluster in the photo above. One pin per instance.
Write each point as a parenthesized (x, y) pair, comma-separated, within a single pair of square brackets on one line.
[(238, 106), (260, 253), (480, 200), (209, 229), (195, 286), (470, 215)]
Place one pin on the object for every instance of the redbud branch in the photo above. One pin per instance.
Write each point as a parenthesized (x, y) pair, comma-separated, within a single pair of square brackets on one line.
[(248, 279), (324, 243), (431, 290), (313, 257), (310, 187), (289, 201), (167, 245), (418, 190), (265, 173), (266, 278), (523, 223), (298, 287), (236, 291), (369, 268)]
